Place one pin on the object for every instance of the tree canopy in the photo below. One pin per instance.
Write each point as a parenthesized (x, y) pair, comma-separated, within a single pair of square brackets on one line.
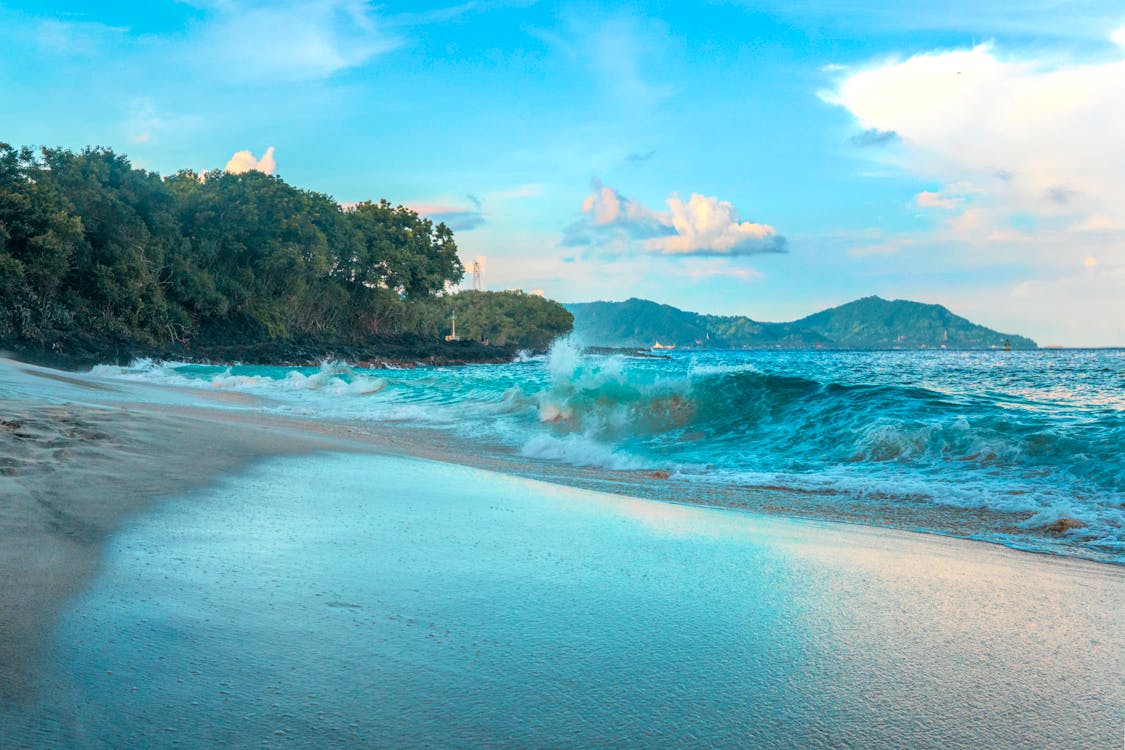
[(90, 243)]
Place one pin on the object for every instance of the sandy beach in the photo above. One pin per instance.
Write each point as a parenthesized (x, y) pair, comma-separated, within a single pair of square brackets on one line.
[(963, 640), (77, 458)]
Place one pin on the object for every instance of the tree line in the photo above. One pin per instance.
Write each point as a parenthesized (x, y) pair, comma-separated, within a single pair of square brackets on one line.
[(89, 244)]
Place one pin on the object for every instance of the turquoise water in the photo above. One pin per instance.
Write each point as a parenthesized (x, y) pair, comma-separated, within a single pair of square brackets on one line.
[(357, 601), (1015, 442)]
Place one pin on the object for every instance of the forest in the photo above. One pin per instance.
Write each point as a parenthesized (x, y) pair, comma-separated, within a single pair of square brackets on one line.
[(97, 253)]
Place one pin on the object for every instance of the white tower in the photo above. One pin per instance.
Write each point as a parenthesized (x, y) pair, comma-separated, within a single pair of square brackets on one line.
[(478, 269)]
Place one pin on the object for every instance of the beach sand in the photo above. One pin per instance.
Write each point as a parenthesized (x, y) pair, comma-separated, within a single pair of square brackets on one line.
[(902, 619), (77, 458)]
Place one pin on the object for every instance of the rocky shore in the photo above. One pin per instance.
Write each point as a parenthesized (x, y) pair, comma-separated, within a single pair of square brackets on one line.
[(77, 352)]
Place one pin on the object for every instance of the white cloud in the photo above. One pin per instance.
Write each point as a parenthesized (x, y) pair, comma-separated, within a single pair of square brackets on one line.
[(290, 41), (244, 161), (1096, 223), (708, 226), (607, 207), (455, 215), (1047, 139), (702, 225), (144, 120)]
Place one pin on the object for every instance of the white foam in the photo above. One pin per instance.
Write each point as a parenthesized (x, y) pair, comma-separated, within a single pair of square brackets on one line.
[(579, 450), (705, 371)]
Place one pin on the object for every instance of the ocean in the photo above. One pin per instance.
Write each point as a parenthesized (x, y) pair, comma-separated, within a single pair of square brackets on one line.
[(1022, 448)]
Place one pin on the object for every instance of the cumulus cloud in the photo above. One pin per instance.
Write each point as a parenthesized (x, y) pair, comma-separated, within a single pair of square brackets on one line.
[(1045, 137), (1029, 153), (699, 226), (244, 161), (709, 226), (608, 208)]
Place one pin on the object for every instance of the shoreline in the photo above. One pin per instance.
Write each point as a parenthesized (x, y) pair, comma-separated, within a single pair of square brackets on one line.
[(75, 467), (404, 351), (83, 457)]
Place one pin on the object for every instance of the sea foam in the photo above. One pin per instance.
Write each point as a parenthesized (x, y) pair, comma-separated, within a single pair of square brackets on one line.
[(1032, 438)]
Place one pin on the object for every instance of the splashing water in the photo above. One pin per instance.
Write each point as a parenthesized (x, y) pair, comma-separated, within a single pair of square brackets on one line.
[(1031, 439)]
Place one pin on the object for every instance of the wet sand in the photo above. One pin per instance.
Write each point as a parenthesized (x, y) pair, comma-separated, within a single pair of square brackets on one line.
[(77, 458)]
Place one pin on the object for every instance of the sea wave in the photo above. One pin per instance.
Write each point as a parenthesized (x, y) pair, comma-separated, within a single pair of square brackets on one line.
[(1036, 437)]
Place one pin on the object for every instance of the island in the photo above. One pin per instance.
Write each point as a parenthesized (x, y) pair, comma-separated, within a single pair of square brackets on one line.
[(868, 323)]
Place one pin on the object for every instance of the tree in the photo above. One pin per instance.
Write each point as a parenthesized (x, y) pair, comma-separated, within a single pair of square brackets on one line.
[(400, 250), (90, 245)]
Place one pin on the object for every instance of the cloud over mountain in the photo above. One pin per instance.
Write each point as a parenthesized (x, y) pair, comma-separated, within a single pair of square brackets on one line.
[(700, 226)]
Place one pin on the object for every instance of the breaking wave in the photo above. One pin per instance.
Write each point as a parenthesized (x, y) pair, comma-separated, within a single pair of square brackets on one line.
[(1036, 435)]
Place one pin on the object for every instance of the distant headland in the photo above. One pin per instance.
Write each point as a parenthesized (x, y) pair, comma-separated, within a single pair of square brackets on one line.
[(867, 323)]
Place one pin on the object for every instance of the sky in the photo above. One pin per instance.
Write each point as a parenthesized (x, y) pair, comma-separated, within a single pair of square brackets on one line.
[(734, 157)]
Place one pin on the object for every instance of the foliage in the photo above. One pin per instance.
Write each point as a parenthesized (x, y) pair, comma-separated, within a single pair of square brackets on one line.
[(90, 244), (501, 318)]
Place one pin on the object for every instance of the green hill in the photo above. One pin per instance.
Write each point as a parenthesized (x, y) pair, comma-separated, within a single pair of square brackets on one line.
[(876, 323), (868, 323), (637, 322)]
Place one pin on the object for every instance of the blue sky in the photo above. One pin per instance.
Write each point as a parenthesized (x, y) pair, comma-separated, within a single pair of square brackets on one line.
[(763, 158)]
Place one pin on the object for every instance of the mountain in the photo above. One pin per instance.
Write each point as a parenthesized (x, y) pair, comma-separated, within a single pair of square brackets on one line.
[(640, 322), (868, 323), (637, 322), (876, 323)]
